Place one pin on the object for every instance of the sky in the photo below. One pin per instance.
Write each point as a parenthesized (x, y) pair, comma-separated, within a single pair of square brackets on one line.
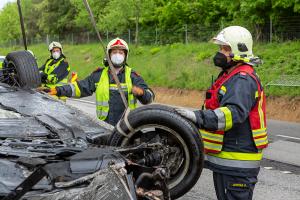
[(3, 2)]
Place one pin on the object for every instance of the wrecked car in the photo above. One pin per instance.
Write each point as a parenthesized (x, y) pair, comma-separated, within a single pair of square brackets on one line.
[(50, 150)]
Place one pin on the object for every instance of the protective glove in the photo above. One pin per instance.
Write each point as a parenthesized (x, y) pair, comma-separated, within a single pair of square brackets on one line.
[(51, 78), (74, 77), (137, 91), (44, 77), (51, 91), (187, 114)]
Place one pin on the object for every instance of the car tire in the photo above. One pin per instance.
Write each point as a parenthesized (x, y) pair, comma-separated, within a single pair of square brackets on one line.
[(185, 133), (22, 70)]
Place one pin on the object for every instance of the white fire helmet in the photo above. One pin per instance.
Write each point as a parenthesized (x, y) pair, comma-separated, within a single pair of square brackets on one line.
[(55, 44), (238, 38), (117, 43)]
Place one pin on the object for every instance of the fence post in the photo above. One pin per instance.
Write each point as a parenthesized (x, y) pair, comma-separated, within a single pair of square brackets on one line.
[(72, 38), (47, 39), (271, 31), (186, 34), (129, 36), (88, 37)]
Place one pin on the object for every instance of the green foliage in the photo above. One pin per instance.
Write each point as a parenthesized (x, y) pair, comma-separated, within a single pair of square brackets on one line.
[(154, 50), (57, 17), (203, 55), (170, 17), (9, 23)]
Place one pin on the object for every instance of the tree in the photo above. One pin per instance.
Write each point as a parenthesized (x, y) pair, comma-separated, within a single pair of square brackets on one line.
[(57, 16), (81, 19), (121, 15), (9, 22)]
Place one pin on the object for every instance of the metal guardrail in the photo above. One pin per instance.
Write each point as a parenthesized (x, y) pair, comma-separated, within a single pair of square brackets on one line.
[(286, 81)]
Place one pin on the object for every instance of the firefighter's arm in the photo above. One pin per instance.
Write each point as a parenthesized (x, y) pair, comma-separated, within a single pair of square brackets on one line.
[(235, 104), (141, 90), (82, 88)]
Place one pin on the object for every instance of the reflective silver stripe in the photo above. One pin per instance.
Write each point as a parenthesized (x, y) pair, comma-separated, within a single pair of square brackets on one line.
[(102, 103), (233, 163), (221, 119), (101, 113), (73, 89), (151, 93), (222, 92), (114, 88)]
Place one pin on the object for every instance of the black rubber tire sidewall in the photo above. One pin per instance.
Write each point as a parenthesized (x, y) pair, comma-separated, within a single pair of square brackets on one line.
[(166, 116), (26, 68)]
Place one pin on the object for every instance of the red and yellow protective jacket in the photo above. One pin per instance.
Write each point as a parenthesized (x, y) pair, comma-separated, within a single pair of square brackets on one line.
[(234, 128)]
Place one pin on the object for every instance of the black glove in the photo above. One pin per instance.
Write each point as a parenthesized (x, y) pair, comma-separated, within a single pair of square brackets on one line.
[(44, 77)]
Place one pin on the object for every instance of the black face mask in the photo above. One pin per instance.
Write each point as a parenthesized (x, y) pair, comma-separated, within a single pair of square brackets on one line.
[(220, 60)]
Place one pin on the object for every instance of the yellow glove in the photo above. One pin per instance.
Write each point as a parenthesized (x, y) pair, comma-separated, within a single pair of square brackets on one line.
[(51, 91), (74, 77)]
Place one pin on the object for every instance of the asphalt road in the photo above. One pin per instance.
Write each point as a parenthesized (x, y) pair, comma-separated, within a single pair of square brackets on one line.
[(279, 177)]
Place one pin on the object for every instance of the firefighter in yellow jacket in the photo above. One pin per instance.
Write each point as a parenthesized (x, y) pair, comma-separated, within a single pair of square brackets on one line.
[(56, 69), (233, 122), (109, 105)]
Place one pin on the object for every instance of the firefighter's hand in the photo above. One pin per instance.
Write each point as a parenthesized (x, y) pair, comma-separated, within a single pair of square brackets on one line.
[(51, 78), (43, 77), (137, 91), (51, 91), (187, 114)]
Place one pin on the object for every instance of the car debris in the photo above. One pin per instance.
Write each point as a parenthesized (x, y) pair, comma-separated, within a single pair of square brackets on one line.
[(52, 151)]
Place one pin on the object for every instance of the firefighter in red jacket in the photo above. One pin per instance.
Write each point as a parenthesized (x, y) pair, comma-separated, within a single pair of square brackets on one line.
[(233, 121)]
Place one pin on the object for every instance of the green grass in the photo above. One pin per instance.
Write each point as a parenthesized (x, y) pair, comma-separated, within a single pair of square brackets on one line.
[(182, 66)]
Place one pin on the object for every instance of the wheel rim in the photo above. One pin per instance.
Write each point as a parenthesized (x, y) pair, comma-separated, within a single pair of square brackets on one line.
[(12, 74), (173, 181)]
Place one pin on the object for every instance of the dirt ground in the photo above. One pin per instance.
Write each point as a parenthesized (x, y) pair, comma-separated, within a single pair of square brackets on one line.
[(279, 108)]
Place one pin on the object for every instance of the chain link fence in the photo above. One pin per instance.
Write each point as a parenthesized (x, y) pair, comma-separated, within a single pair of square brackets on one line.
[(147, 36), (276, 30)]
